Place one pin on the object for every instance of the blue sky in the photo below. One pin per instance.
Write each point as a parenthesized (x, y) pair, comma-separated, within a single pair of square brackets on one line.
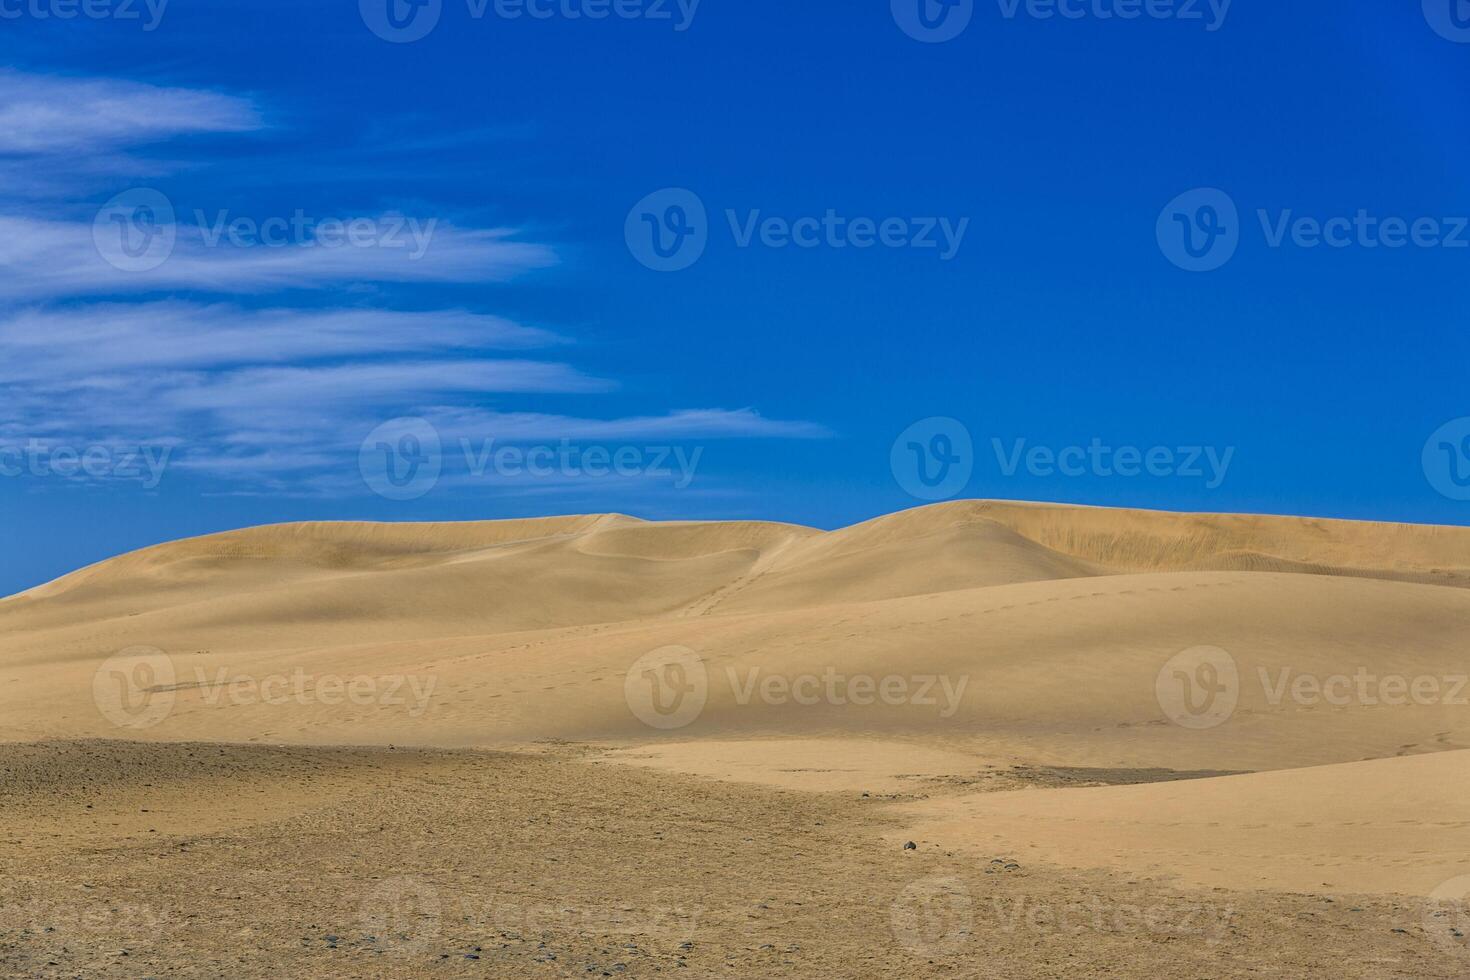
[(492, 177)]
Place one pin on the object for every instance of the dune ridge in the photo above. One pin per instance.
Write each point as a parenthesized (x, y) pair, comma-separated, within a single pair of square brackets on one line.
[(1052, 540)]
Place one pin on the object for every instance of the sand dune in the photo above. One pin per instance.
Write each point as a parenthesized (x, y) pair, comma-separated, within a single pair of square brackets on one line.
[(1390, 825), (183, 860), (1024, 644)]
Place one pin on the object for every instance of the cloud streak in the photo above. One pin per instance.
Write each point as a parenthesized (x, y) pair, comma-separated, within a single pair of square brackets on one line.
[(46, 114), (88, 339), (42, 258), (703, 424), (279, 400)]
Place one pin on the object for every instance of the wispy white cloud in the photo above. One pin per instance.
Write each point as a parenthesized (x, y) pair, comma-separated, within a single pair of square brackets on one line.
[(252, 393), (50, 114), (267, 399), (279, 400), (90, 339), (47, 258), (703, 423)]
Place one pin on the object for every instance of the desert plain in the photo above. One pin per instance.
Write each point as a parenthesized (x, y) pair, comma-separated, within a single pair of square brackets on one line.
[(974, 739)]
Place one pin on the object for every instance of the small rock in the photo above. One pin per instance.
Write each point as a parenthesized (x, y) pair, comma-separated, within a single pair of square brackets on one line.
[(911, 846)]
